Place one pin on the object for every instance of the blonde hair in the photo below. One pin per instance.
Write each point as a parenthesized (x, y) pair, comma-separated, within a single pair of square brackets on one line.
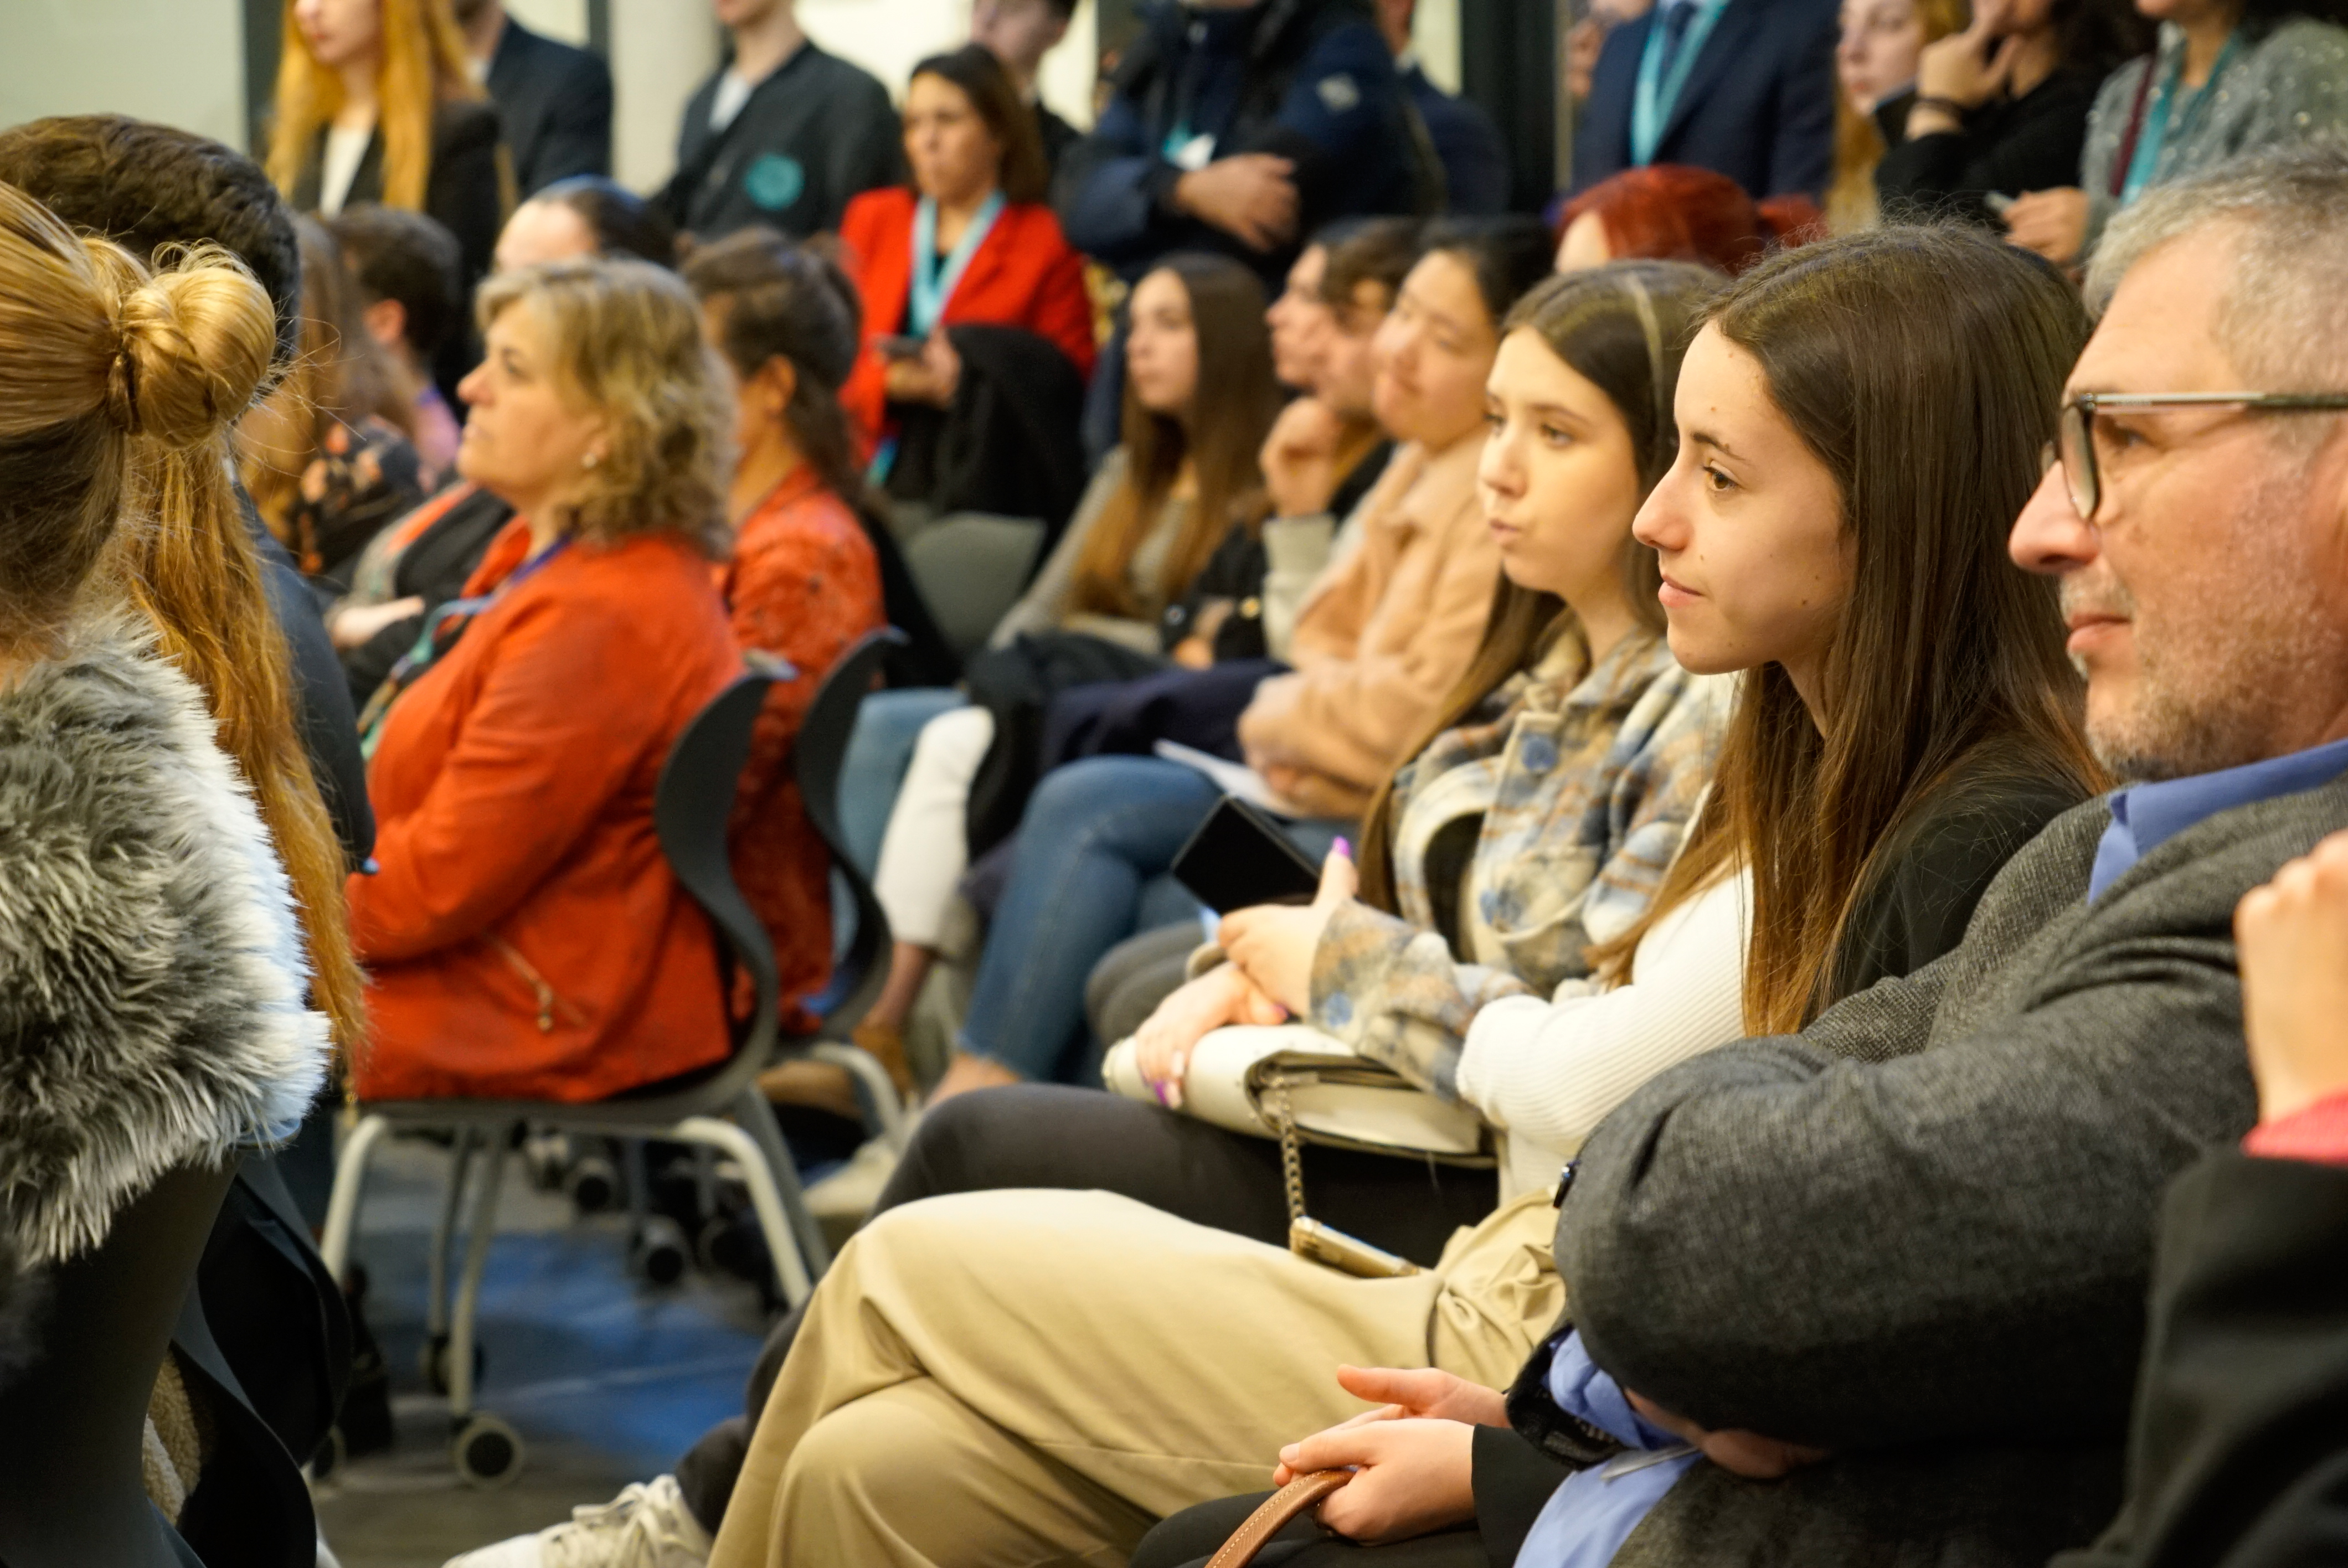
[(118, 390), (626, 336), (1851, 200), (423, 63)]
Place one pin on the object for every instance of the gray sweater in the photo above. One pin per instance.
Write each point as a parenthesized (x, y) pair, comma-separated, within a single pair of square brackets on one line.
[(1920, 1233)]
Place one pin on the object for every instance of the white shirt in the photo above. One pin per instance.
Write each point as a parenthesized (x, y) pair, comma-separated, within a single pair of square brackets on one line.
[(345, 150), (733, 92)]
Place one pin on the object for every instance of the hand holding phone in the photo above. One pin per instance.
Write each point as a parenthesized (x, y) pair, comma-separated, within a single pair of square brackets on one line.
[(1239, 858), (898, 346)]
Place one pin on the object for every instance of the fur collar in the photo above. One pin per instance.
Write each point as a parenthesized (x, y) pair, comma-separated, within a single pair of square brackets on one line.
[(152, 979)]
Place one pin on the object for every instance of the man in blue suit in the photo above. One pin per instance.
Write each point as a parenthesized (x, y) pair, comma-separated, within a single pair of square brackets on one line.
[(1745, 87)]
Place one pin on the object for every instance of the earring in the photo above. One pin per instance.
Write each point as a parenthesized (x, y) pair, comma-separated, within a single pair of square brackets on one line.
[(590, 461)]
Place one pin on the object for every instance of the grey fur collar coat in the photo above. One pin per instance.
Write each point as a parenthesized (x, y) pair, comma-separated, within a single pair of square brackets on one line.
[(152, 979)]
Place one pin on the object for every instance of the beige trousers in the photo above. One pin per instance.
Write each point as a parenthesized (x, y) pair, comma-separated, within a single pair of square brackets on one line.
[(1005, 1379)]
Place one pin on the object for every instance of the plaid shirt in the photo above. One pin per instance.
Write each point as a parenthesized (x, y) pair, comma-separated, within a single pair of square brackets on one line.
[(1586, 780)]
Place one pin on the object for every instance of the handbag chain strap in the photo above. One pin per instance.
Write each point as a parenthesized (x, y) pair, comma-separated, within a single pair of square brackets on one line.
[(1292, 1158)]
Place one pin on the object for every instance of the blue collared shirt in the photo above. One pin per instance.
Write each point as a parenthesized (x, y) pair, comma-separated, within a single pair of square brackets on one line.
[(1586, 1521), (2145, 816)]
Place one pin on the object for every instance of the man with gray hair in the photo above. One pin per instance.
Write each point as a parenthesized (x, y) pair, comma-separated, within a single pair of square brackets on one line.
[(1889, 1275)]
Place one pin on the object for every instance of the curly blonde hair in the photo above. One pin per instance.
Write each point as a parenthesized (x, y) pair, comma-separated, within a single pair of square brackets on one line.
[(627, 343)]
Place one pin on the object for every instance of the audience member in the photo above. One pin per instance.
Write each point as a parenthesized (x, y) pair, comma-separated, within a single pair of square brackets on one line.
[(803, 583), (2001, 108), (1875, 72), (783, 134), (1671, 212), (155, 1024), (410, 297), (585, 215), (1221, 1358), (1198, 397), (516, 838), (1240, 128), (374, 102), (1745, 87), (972, 241), (2228, 77), (2236, 1447), (1020, 33), (326, 454), (554, 102), (1477, 179)]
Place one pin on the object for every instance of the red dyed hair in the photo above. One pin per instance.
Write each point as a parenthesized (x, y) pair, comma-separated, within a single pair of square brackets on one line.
[(1671, 212)]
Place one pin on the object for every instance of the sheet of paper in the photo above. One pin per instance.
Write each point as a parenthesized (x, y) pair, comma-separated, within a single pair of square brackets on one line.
[(1232, 778)]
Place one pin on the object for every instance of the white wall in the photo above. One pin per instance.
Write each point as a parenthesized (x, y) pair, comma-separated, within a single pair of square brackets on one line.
[(177, 61), (887, 37)]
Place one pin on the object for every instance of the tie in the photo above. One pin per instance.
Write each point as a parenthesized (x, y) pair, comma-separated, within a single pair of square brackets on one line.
[(1675, 20)]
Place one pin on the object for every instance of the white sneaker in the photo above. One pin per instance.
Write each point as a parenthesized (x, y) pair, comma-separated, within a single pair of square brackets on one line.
[(646, 1526), (846, 1196)]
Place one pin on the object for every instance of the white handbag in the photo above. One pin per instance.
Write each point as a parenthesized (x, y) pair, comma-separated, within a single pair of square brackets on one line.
[(1266, 1080)]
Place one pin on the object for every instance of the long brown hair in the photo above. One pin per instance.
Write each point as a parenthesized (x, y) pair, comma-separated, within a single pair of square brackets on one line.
[(423, 63), (1624, 327), (1230, 413), (1923, 367), (121, 392), (339, 374)]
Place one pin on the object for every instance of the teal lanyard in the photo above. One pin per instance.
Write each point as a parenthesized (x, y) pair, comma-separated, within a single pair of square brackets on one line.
[(1658, 95), (932, 287), (2147, 162)]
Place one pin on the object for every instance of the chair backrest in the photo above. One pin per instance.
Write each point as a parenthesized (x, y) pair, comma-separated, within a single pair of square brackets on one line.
[(692, 806), (970, 568), (817, 757)]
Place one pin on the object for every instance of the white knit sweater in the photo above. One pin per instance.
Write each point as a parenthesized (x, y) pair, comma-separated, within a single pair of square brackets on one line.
[(1546, 1072)]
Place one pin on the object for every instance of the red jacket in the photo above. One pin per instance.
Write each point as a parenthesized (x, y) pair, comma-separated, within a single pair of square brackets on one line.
[(803, 584), (1023, 274), (524, 937)]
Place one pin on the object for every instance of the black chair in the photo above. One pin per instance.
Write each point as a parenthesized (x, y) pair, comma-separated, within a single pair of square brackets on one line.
[(72, 1418), (692, 807)]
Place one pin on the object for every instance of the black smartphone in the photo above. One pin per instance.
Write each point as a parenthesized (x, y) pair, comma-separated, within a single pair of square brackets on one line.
[(1240, 857), (897, 345)]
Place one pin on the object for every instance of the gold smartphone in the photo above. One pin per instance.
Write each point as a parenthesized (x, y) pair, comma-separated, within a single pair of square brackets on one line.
[(1310, 1238)]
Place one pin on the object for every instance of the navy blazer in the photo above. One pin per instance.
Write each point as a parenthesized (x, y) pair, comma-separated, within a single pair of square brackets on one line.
[(556, 103), (1758, 105)]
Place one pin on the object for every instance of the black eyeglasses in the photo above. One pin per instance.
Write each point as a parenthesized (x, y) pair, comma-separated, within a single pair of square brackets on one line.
[(2073, 445)]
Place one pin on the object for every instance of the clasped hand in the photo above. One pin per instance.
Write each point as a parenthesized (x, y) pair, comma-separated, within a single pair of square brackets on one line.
[(1413, 1458)]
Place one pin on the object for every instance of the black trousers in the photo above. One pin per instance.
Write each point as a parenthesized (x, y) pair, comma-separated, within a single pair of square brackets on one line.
[(1054, 1137), (1188, 1539)]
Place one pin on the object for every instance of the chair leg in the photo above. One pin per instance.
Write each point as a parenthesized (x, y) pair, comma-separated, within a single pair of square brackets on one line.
[(468, 1288), (884, 1111), (760, 1174), (756, 1114), (444, 1236), (343, 1208)]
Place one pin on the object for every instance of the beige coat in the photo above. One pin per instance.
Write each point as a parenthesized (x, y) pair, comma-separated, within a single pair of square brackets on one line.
[(1384, 636)]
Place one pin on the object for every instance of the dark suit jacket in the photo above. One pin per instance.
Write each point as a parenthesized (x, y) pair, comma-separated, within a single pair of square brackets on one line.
[(2239, 1458), (556, 103), (464, 193), (1758, 105)]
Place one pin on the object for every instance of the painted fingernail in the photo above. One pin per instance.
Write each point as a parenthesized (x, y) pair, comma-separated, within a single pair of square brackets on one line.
[(1344, 848), (1160, 1091)]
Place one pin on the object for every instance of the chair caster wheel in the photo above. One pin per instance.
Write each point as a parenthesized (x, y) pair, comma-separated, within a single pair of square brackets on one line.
[(659, 1252), (432, 1361), (593, 1183), (486, 1452)]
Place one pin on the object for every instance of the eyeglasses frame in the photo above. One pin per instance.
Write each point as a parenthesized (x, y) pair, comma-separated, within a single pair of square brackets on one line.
[(2085, 482)]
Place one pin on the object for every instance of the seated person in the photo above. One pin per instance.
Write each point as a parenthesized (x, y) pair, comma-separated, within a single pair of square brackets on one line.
[(405, 267), (1790, 536), (2228, 1378), (524, 936), (326, 455), (1675, 212), (971, 241), (1896, 1268), (803, 583), (1199, 398)]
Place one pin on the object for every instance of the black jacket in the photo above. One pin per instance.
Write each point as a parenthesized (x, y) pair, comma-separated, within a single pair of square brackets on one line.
[(1009, 445), (464, 193), (2239, 1458), (433, 567), (330, 726), (2008, 147), (815, 132), (556, 104)]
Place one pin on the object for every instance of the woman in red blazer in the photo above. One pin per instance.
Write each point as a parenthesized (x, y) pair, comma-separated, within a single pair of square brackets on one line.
[(524, 936), (973, 242)]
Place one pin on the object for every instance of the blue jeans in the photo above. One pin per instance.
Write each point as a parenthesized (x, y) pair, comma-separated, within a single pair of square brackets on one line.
[(880, 750), (1098, 833)]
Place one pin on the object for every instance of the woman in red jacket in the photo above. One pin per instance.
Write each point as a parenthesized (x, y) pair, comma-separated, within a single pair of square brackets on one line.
[(972, 242), (524, 934)]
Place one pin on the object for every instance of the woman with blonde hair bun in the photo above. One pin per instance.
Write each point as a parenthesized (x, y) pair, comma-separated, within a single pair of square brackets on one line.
[(513, 775), (151, 980)]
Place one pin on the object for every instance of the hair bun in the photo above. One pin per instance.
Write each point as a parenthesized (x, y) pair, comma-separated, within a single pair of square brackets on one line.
[(197, 341)]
